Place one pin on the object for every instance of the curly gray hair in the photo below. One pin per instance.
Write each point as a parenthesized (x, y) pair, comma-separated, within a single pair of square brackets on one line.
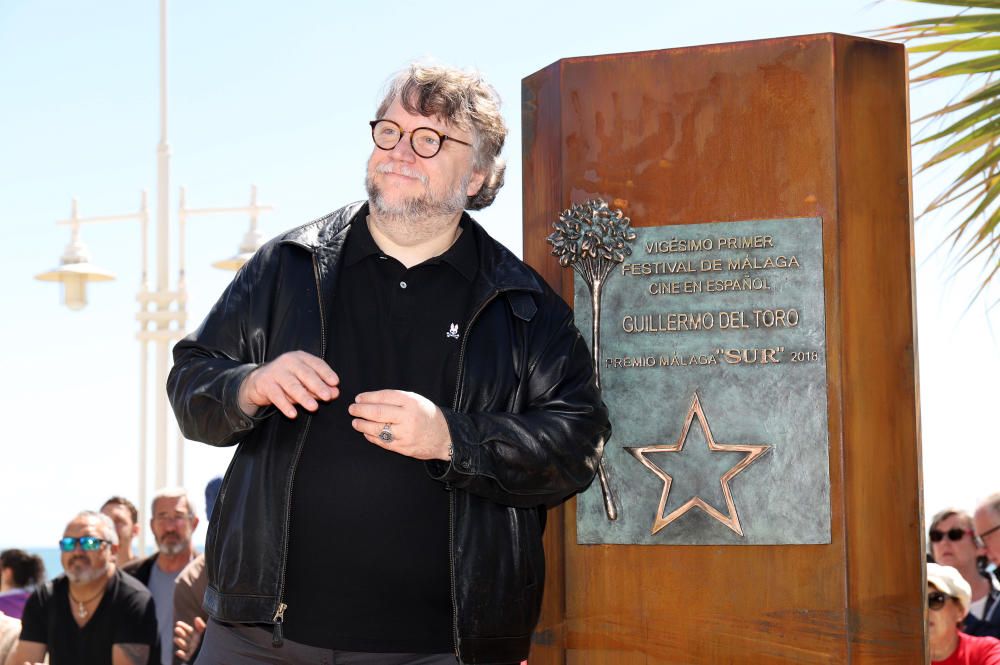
[(462, 99)]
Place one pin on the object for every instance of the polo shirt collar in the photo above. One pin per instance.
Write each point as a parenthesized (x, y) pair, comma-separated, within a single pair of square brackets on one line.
[(463, 255), (360, 243)]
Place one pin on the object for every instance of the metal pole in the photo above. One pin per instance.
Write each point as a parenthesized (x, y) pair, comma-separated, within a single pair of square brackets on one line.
[(143, 378), (253, 207), (181, 307), (162, 258), (143, 426), (162, 312), (181, 239)]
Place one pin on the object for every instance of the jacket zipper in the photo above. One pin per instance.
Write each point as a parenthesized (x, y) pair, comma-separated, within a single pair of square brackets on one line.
[(451, 497), (277, 637)]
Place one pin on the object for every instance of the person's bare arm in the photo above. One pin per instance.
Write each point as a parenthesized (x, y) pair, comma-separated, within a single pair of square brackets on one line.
[(129, 654), (27, 652)]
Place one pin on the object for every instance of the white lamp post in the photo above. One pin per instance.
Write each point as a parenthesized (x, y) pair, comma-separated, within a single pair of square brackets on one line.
[(162, 312), (75, 268)]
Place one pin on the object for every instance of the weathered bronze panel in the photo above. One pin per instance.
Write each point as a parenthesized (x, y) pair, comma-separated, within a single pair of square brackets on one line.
[(712, 357)]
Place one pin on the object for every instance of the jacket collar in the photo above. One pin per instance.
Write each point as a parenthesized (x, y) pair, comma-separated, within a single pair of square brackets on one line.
[(499, 269)]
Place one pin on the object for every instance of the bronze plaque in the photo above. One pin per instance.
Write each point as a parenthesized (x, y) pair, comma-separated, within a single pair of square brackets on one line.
[(711, 348)]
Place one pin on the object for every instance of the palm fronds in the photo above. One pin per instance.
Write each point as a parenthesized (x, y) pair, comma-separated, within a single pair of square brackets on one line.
[(967, 131)]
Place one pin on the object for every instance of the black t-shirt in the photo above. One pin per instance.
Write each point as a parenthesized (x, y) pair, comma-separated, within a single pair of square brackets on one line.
[(368, 560), (125, 615)]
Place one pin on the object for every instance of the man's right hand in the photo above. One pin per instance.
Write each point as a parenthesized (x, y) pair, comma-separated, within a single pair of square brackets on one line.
[(292, 378)]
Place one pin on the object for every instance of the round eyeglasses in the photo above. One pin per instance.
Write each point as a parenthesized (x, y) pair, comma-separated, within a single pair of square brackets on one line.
[(425, 141)]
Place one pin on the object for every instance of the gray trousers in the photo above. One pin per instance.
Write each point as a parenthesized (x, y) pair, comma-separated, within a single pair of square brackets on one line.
[(235, 644)]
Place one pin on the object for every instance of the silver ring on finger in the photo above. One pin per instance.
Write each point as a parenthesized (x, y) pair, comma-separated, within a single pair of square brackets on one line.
[(386, 433)]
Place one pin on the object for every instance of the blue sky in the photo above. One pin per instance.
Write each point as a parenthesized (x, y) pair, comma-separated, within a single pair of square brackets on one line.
[(278, 95)]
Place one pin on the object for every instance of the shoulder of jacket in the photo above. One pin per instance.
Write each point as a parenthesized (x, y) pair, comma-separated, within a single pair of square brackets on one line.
[(524, 288), (192, 571), (319, 231), (503, 271), (139, 568), (136, 564), (309, 237), (541, 298)]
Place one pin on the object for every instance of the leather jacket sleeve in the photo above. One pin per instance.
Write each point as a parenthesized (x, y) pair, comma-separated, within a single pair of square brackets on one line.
[(212, 362), (548, 449)]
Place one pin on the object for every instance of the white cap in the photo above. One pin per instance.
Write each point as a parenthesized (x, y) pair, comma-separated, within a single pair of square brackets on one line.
[(949, 581)]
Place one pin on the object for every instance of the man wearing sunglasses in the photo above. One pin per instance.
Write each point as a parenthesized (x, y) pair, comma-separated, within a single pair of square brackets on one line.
[(408, 398), (948, 597), (94, 614), (954, 543)]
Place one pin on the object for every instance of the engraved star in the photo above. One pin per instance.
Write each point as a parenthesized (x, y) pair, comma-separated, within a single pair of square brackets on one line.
[(753, 451)]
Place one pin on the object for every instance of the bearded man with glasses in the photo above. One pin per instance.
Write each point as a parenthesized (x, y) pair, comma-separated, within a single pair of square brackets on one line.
[(94, 614), (954, 543), (173, 524), (408, 398)]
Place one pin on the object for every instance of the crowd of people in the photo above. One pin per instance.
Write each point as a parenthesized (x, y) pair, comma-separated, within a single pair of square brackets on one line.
[(963, 612), (109, 606), (149, 610)]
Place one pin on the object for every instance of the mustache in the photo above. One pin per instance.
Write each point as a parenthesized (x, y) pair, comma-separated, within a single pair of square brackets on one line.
[(401, 169)]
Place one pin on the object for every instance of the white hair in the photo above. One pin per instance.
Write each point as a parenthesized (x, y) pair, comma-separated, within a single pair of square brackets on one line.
[(104, 523), (172, 493), (992, 502)]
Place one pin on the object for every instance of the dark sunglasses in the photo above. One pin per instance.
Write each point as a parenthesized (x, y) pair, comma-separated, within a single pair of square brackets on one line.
[(936, 600), (953, 534), (87, 543)]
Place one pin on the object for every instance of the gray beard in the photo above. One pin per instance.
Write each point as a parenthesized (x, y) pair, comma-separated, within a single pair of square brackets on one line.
[(415, 216), (170, 550), (86, 577)]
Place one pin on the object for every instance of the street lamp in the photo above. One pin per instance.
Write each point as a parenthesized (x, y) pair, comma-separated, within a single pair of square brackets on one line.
[(162, 312), (75, 268), (251, 241)]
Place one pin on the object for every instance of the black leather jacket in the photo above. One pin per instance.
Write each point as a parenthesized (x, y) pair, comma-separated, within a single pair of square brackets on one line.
[(527, 425)]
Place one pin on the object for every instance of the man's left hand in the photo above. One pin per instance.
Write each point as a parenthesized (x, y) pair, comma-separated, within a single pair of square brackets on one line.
[(418, 427)]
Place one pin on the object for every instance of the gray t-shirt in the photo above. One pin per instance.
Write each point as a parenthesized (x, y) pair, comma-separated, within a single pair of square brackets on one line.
[(161, 585)]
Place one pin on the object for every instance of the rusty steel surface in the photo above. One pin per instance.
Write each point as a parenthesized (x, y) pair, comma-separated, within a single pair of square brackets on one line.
[(812, 126)]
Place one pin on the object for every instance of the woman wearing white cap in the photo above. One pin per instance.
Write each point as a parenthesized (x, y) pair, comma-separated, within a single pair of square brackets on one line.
[(948, 596)]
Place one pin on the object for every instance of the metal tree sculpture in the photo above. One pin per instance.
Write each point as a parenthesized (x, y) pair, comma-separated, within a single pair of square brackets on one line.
[(593, 239)]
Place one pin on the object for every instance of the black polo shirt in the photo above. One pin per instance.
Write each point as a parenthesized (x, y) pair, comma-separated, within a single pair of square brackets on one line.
[(125, 615), (368, 559)]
